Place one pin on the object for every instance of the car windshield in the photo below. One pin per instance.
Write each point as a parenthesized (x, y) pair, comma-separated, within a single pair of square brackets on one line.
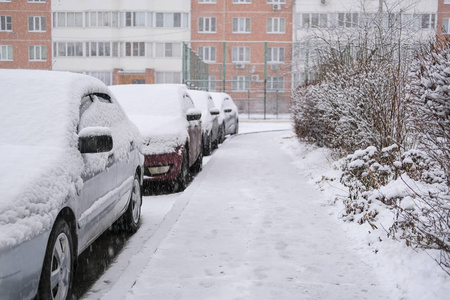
[(148, 100)]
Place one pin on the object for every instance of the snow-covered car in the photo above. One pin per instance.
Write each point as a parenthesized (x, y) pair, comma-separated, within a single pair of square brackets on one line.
[(210, 122), (71, 167), (171, 130), (229, 115)]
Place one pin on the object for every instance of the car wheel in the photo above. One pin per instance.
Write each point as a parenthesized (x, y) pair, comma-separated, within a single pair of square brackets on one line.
[(183, 177), (132, 216), (222, 134), (57, 271), (198, 165), (236, 127), (207, 148)]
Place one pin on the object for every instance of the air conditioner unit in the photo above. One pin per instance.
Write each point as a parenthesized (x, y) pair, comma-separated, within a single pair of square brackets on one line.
[(240, 66), (255, 77), (276, 7)]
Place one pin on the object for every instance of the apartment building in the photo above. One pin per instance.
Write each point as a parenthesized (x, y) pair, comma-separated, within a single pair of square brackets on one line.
[(417, 19), (25, 34), (443, 19), (247, 45), (121, 42)]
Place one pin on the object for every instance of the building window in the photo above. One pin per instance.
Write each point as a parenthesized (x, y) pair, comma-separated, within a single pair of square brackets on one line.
[(445, 25), (211, 83), (241, 25), (102, 19), (240, 83), (30, 1), (206, 1), (309, 20), (168, 77), (276, 25), (167, 50), (135, 49), (240, 54), (275, 83), (68, 19), (276, 1), (207, 54), (446, 1), (37, 24), (132, 19), (6, 52), (206, 24), (5, 23), (428, 21), (102, 49), (62, 49), (37, 53), (171, 20), (242, 1), (5, 0), (275, 54), (106, 77), (348, 19)]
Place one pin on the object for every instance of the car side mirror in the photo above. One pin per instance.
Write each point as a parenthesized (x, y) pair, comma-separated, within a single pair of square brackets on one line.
[(193, 114), (95, 140), (227, 110), (214, 111)]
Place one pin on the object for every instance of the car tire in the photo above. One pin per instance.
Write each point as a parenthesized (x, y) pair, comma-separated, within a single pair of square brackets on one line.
[(183, 178), (198, 165), (222, 134), (236, 127), (207, 147), (132, 216), (58, 264)]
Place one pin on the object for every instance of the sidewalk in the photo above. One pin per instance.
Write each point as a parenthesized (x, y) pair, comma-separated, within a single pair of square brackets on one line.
[(251, 228)]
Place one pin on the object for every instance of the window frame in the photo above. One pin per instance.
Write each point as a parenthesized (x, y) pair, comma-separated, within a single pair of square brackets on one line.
[(211, 24), (276, 52), (42, 21), (9, 50), (7, 21), (278, 22), (242, 22), (211, 52), (35, 49), (241, 51), (240, 83)]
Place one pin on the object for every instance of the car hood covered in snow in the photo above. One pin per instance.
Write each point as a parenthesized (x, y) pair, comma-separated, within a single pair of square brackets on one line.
[(40, 163)]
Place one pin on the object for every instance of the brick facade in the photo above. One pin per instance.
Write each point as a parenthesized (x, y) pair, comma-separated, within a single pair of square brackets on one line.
[(249, 95), (21, 38)]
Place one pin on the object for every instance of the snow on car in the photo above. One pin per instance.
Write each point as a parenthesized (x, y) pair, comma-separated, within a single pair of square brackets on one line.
[(229, 115), (70, 167), (210, 123), (171, 130)]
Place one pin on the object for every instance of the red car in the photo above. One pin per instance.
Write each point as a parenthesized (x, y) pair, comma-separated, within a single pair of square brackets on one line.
[(171, 129)]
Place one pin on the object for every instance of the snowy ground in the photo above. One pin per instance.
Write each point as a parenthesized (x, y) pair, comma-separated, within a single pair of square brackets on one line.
[(255, 224)]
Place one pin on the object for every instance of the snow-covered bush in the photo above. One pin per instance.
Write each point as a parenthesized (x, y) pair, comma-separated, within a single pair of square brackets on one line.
[(410, 185), (429, 99)]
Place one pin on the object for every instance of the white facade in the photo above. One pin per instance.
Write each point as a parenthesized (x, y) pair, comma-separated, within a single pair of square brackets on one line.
[(313, 16), (96, 37)]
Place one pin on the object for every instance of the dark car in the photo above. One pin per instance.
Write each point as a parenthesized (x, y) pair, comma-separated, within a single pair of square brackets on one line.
[(71, 167), (210, 121), (229, 115), (171, 130)]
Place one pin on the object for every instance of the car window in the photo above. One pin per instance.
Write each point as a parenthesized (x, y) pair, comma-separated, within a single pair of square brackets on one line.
[(99, 110)]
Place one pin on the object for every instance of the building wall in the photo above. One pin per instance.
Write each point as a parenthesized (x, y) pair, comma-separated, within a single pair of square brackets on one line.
[(20, 38), (442, 30), (249, 92), (124, 38), (419, 18)]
